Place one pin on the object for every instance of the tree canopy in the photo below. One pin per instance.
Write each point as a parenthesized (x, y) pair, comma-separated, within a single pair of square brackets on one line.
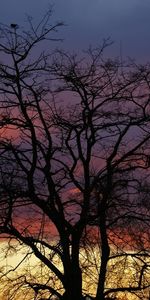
[(74, 169)]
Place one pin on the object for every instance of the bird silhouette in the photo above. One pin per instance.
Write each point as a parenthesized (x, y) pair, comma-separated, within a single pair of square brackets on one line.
[(13, 25)]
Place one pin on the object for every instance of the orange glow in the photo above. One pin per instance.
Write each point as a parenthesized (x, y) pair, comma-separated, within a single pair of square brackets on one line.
[(33, 269)]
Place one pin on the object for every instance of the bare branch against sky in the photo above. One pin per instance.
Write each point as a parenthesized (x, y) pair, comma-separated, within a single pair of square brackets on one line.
[(88, 22), (74, 169)]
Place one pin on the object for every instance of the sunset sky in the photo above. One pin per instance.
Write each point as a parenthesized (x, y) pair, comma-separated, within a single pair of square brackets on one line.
[(87, 23), (127, 22)]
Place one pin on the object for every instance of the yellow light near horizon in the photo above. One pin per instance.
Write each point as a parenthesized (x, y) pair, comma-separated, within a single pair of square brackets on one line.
[(18, 263), (30, 266)]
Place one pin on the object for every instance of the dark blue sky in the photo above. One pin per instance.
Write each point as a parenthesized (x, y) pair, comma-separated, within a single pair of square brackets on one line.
[(89, 21)]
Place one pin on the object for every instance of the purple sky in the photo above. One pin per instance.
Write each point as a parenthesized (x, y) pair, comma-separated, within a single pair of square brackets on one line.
[(89, 21)]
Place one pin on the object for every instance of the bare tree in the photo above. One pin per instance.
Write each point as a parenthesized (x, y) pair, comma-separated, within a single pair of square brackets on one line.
[(108, 143), (74, 169)]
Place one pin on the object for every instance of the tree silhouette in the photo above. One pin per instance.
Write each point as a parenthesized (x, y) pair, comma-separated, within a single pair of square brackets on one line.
[(74, 169)]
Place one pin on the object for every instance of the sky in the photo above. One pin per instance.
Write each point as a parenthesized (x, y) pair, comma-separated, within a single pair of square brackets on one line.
[(88, 22)]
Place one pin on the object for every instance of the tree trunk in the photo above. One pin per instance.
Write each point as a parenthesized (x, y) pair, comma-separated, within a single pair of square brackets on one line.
[(73, 274), (104, 259), (74, 285)]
